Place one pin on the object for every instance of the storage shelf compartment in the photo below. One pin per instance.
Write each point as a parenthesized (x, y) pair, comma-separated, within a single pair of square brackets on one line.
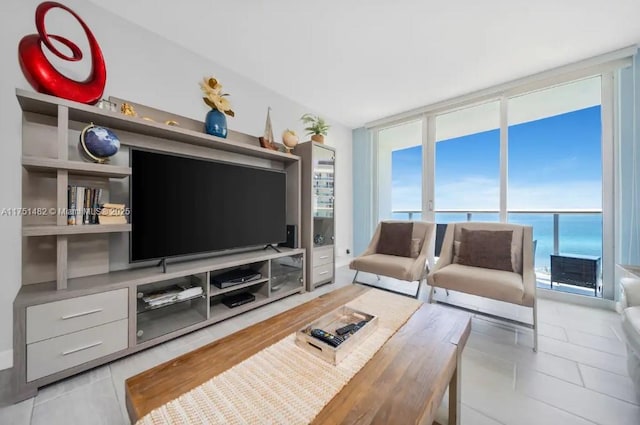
[(286, 274), (142, 307), (215, 291), (48, 105), (155, 323), (33, 163), (219, 311), (52, 230)]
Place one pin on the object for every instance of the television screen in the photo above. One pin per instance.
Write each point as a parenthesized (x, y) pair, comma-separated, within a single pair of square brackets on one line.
[(182, 206)]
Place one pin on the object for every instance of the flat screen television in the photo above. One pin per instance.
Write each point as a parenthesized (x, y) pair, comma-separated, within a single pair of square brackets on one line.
[(182, 206)]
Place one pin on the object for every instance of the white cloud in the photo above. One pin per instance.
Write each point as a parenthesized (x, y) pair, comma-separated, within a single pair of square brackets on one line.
[(479, 193)]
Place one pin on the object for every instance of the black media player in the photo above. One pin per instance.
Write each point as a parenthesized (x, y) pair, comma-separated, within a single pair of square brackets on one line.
[(238, 299)]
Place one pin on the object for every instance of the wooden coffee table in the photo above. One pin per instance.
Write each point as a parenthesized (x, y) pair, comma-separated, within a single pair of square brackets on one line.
[(403, 383)]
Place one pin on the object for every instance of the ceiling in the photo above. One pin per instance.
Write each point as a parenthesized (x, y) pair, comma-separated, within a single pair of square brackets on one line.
[(356, 61)]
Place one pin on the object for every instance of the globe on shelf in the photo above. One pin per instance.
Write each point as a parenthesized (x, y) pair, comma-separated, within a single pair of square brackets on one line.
[(99, 143)]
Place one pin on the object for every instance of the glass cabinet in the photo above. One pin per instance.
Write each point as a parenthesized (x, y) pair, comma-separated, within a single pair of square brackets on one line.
[(323, 195)]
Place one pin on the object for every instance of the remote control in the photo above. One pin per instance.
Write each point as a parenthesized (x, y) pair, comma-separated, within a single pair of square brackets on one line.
[(326, 337), (346, 329)]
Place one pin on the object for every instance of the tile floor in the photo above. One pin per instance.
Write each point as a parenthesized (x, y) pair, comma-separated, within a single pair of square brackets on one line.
[(578, 377)]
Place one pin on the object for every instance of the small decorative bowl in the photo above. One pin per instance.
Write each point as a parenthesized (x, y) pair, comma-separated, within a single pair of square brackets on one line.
[(99, 143)]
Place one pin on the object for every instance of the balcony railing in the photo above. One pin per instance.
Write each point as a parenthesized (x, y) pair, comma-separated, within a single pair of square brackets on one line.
[(468, 215)]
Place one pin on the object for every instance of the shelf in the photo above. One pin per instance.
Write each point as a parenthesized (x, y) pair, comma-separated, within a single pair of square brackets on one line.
[(53, 230), (219, 311), (46, 292), (143, 307), (33, 163), (48, 105), (286, 287), (155, 323), (214, 290)]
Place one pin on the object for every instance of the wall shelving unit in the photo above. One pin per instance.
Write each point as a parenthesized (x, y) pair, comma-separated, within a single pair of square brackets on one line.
[(78, 305)]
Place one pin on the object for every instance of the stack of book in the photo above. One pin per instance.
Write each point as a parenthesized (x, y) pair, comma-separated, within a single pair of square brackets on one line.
[(82, 205), (112, 214)]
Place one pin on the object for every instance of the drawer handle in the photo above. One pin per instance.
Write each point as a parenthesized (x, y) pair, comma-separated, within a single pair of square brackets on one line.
[(324, 257), (86, 347), (324, 272), (71, 316)]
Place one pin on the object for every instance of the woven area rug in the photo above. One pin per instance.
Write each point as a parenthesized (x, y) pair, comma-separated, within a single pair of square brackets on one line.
[(283, 384)]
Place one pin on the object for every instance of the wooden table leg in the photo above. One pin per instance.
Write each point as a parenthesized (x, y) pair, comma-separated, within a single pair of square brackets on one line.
[(454, 392)]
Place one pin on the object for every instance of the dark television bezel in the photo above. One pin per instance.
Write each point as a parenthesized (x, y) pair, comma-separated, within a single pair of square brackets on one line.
[(199, 253)]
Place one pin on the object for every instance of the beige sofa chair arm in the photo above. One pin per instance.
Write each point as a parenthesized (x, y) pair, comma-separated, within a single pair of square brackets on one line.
[(446, 253), (630, 292)]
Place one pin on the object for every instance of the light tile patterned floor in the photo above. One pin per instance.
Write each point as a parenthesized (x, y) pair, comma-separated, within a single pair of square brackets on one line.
[(578, 376)]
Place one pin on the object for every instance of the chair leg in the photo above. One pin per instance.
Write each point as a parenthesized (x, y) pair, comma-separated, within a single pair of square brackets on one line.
[(535, 325), (418, 290), (430, 299), (355, 277)]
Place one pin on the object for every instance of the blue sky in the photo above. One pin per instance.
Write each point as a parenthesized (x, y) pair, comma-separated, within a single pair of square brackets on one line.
[(554, 163)]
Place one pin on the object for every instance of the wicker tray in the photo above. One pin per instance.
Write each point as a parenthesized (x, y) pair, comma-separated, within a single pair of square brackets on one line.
[(330, 322)]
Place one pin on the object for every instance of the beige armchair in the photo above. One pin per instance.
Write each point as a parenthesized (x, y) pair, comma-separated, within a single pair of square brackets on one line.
[(630, 304), (401, 268), (517, 286)]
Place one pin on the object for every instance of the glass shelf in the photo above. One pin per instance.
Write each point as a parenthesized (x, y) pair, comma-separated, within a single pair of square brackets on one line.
[(286, 273), (142, 307)]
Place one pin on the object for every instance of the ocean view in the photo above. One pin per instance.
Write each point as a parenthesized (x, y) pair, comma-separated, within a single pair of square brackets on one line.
[(578, 233)]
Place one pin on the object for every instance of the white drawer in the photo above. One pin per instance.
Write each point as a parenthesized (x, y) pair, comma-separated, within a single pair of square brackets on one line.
[(63, 352), (49, 320), (322, 273), (322, 256)]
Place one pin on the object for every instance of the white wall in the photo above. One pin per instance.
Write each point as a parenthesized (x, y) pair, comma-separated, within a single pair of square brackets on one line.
[(146, 69)]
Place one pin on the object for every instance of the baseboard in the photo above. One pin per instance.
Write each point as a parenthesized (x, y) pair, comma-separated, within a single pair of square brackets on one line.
[(343, 260), (6, 359), (576, 299)]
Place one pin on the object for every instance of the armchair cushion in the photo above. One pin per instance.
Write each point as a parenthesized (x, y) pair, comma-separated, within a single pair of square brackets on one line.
[(386, 265), (490, 249), (496, 284), (395, 239)]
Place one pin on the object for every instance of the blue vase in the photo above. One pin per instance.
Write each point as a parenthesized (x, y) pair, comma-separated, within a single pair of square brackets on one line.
[(216, 123)]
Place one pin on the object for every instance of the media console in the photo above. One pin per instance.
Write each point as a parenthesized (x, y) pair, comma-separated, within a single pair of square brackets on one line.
[(81, 303)]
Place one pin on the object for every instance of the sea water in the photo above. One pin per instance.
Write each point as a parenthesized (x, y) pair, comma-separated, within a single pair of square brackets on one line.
[(577, 233)]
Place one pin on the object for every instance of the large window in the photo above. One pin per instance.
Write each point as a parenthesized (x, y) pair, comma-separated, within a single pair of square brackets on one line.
[(467, 164), (535, 158), (400, 171), (555, 169)]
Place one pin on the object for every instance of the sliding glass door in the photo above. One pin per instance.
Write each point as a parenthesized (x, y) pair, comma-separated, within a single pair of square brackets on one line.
[(555, 177), (399, 165), (467, 164), (542, 158)]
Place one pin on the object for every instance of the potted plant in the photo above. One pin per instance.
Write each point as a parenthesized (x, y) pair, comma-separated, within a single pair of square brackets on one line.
[(316, 126)]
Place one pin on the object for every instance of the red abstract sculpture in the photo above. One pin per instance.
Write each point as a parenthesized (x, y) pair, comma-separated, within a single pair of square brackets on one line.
[(44, 77)]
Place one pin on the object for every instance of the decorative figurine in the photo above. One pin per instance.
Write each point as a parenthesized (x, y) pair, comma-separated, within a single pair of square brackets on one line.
[(41, 74), (99, 143), (128, 110), (267, 140)]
